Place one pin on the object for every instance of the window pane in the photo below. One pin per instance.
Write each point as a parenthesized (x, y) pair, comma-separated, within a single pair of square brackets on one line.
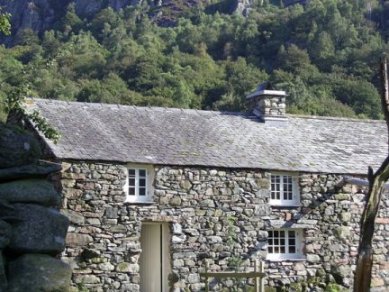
[(131, 182), (275, 187), (131, 172), (282, 242), (131, 191), (142, 192), (142, 182), (142, 172), (287, 188)]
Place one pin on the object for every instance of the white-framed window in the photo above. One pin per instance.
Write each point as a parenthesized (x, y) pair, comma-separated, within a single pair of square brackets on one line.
[(284, 190), (138, 187), (285, 244)]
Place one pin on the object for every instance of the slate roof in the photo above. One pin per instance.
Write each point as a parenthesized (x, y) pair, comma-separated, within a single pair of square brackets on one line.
[(102, 132)]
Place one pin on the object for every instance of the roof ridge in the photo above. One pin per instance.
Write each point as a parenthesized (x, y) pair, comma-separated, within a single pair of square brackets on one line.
[(200, 111), (334, 118)]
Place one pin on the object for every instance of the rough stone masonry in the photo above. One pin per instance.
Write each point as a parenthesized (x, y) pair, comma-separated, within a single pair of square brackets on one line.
[(215, 216)]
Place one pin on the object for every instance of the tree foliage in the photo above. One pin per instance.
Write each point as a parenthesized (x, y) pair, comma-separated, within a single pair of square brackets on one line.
[(323, 54)]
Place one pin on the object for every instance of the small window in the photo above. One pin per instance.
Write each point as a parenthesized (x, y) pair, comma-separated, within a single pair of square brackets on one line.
[(285, 244), (139, 184), (284, 190)]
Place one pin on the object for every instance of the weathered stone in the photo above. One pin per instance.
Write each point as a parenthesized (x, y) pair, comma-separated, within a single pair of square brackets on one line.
[(377, 282), (193, 278), (3, 276), (40, 169), (342, 232), (175, 201), (118, 228), (186, 185), (341, 273), (177, 229), (111, 213), (74, 217), (313, 258), (345, 217), (41, 230), (106, 267), (127, 268), (76, 239), (87, 279), (342, 197), (38, 272), (17, 147), (5, 234), (30, 191)]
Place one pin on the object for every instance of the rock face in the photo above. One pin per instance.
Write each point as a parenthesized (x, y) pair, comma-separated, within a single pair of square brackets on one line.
[(205, 208), (41, 15), (28, 221), (38, 272)]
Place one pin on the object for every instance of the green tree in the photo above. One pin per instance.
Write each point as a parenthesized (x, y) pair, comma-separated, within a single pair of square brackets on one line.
[(5, 25)]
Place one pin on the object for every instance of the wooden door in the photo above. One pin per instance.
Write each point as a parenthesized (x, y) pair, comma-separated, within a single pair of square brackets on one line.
[(155, 257)]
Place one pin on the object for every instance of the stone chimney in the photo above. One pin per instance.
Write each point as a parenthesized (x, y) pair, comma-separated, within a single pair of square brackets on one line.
[(267, 103)]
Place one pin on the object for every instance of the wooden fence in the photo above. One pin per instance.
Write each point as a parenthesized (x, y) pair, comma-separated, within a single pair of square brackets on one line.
[(258, 276)]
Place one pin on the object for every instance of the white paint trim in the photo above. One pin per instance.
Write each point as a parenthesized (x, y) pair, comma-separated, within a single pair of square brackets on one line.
[(295, 191), (299, 244), (148, 198)]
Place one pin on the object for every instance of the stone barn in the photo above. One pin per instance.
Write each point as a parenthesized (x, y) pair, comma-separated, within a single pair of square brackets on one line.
[(153, 194)]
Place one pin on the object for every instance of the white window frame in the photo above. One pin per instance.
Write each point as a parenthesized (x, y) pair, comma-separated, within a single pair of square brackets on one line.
[(149, 177), (295, 201), (274, 245)]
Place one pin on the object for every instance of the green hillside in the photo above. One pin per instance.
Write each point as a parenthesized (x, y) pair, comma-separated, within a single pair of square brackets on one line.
[(325, 54)]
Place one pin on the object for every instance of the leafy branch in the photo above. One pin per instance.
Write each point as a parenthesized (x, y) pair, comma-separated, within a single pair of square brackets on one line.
[(14, 103)]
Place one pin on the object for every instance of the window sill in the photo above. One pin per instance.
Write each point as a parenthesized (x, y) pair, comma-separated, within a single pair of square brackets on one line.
[(285, 206), (296, 258), (138, 202)]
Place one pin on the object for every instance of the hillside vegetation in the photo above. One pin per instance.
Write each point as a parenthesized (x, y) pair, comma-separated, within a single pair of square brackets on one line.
[(325, 54)]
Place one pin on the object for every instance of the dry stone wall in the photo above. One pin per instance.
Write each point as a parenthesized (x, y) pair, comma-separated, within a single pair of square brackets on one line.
[(216, 215), (32, 230)]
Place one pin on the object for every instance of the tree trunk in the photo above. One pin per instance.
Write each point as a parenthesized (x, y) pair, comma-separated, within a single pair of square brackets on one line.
[(362, 279)]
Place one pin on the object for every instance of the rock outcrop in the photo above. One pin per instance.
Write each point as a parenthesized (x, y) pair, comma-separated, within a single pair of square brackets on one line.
[(32, 230), (41, 15)]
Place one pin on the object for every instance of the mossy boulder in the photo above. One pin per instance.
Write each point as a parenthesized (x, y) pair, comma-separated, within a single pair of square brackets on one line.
[(17, 147), (37, 170), (39, 230), (38, 272), (37, 191)]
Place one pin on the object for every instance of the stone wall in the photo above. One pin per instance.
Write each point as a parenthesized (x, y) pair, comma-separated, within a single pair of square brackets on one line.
[(32, 230), (330, 215), (215, 215)]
